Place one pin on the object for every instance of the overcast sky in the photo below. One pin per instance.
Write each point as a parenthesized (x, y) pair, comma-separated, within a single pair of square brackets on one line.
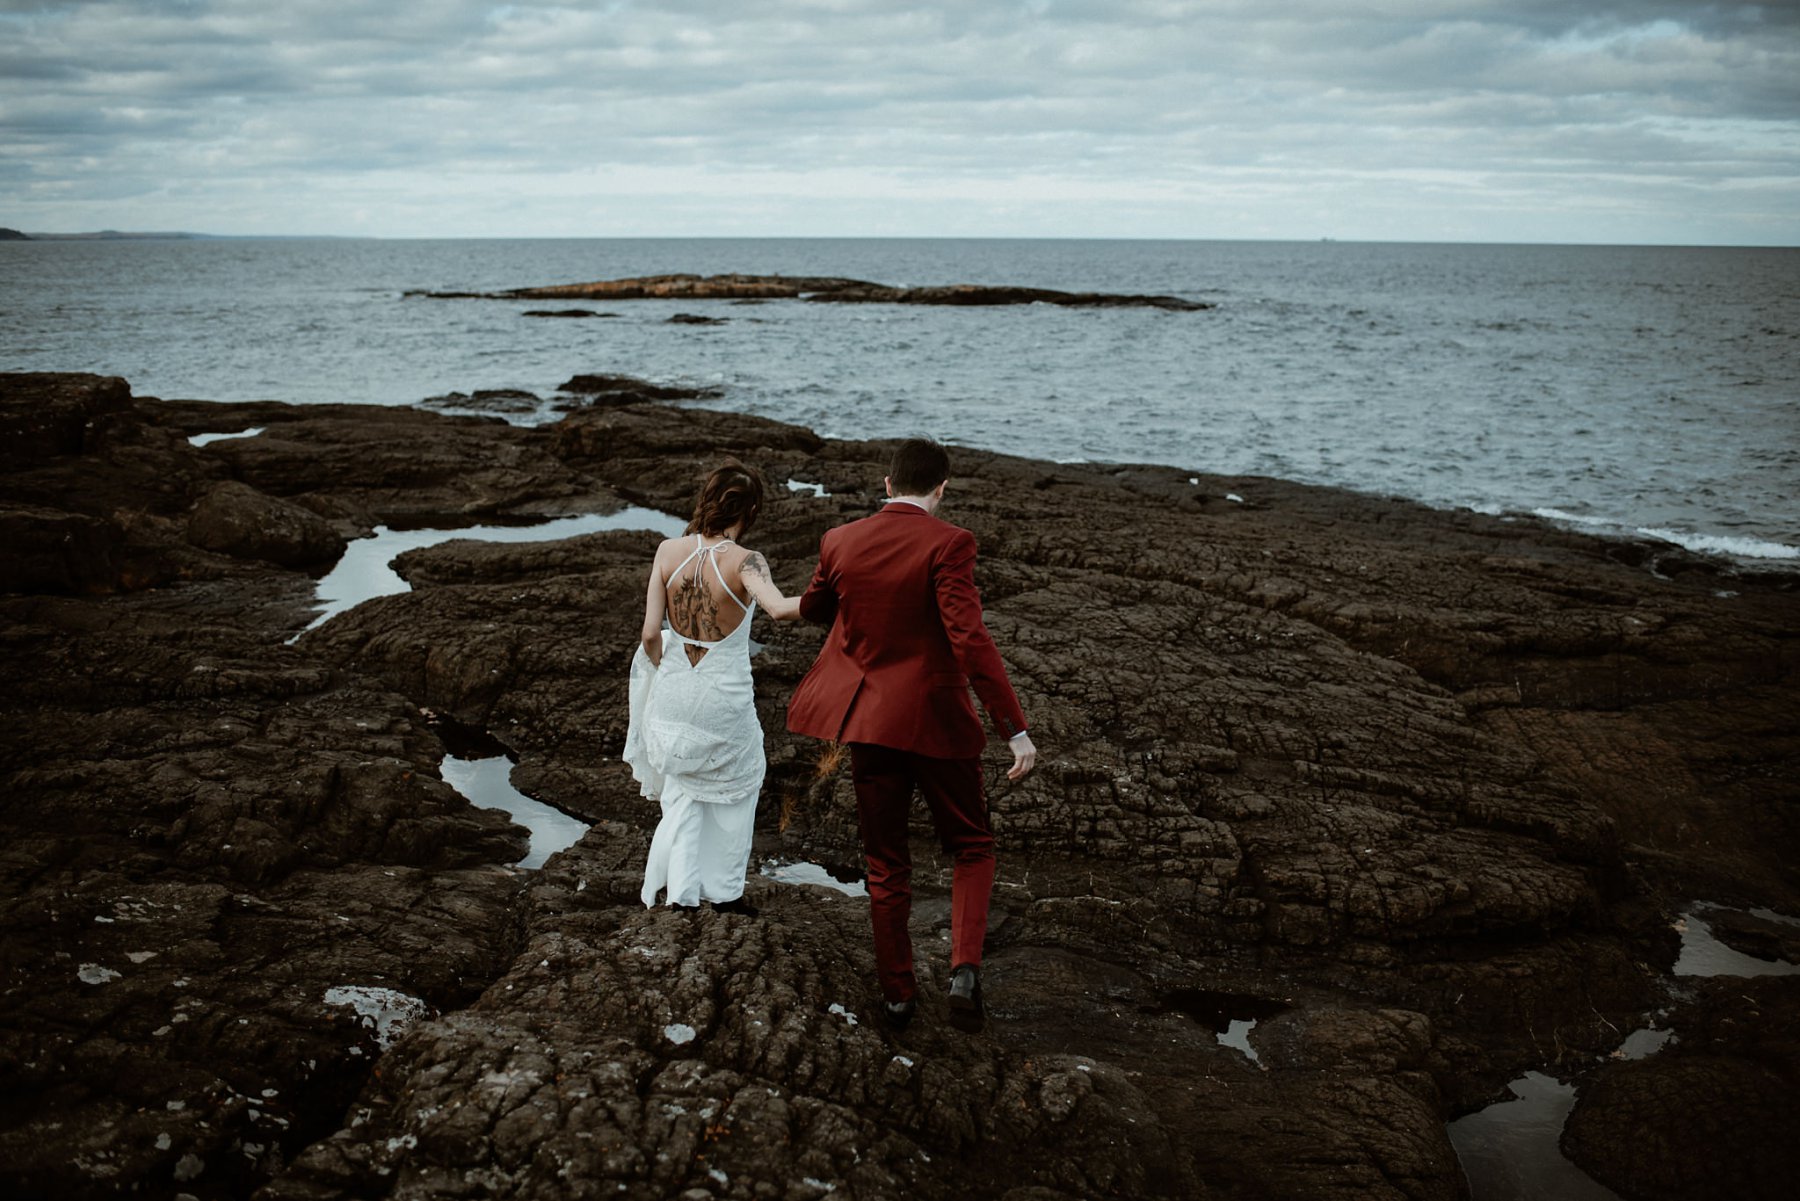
[(1418, 120)]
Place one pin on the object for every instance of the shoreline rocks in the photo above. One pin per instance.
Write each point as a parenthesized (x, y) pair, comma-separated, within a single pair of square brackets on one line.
[(1416, 792)]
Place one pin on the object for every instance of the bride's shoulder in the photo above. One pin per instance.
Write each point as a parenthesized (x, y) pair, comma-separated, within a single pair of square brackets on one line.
[(747, 559)]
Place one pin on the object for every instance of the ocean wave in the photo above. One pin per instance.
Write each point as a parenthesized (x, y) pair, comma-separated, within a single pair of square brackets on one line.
[(1577, 518), (1733, 546), (1723, 544)]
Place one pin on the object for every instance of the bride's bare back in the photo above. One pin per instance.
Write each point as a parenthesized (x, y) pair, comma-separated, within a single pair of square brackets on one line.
[(705, 590), (708, 605)]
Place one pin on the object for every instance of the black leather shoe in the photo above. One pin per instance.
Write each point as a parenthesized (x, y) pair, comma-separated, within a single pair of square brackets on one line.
[(966, 1010), (898, 1013), (741, 907)]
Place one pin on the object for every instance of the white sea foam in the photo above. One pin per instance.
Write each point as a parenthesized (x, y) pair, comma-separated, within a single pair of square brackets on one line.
[(1550, 514), (1722, 544), (1729, 545)]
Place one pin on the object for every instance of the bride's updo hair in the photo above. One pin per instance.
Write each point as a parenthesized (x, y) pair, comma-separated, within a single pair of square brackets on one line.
[(732, 495)]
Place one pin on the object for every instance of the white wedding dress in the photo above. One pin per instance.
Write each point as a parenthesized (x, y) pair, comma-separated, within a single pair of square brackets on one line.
[(694, 744)]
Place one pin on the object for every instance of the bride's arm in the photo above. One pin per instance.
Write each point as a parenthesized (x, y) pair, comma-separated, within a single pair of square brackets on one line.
[(655, 601), (755, 574)]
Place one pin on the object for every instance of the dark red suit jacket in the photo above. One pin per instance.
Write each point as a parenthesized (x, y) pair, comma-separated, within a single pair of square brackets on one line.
[(906, 641)]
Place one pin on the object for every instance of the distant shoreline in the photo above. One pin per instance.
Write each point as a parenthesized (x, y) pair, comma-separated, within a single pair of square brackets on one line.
[(103, 235)]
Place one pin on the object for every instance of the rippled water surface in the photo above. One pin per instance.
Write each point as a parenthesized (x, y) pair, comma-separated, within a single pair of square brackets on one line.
[(1625, 388)]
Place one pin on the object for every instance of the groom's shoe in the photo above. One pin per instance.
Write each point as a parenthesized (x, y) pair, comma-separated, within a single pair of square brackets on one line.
[(740, 906), (898, 1013), (966, 1010)]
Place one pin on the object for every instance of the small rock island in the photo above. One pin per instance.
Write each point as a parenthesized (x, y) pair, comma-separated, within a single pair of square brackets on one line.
[(819, 290)]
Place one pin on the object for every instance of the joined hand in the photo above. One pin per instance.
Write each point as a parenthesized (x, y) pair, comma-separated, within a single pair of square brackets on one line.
[(1024, 756)]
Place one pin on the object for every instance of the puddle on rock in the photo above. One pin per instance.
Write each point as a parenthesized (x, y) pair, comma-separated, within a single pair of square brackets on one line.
[(846, 880), (1509, 1151), (487, 783), (1230, 1016), (1703, 954), (203, 439), (363, 572), (385, 1011), (1641, 1044), (1237, 1037)]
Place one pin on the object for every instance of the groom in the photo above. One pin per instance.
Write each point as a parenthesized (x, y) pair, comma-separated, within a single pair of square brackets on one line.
[(892, 681)]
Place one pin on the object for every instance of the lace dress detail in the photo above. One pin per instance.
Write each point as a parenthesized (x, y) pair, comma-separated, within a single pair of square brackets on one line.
[(694, 743)]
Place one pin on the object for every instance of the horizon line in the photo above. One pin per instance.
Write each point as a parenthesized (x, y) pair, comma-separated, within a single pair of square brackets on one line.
[(117, 235)]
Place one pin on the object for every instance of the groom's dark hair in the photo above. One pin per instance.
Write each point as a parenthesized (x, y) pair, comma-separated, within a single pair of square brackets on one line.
[(919, 466)]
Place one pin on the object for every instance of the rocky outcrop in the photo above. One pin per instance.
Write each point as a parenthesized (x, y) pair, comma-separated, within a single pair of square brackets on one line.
[(92, 498), (53, 550), (66, 415), (236, 519), (820, 289), (486, 400), (1409, 790), (627, 389), (362, 465)]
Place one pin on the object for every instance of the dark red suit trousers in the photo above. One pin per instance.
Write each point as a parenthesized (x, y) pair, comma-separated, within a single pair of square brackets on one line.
[(885, 780)]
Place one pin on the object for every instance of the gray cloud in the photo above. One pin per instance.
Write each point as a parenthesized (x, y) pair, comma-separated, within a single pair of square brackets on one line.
[(1106, 117)]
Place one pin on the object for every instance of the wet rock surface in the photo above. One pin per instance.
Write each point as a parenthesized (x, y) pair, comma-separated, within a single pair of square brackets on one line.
[(824, 290), (1414, 792), (1712, 1114)]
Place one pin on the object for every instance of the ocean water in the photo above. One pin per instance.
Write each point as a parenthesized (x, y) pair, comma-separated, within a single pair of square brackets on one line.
[(1651, 390)]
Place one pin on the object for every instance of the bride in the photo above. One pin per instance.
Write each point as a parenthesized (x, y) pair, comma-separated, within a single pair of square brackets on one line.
[(694, 742)]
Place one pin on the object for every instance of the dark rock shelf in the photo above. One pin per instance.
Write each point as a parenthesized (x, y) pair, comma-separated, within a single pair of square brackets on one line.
[(1419, 793)]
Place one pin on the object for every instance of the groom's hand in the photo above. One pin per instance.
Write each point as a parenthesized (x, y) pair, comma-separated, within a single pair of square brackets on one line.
[(1024, 756)]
